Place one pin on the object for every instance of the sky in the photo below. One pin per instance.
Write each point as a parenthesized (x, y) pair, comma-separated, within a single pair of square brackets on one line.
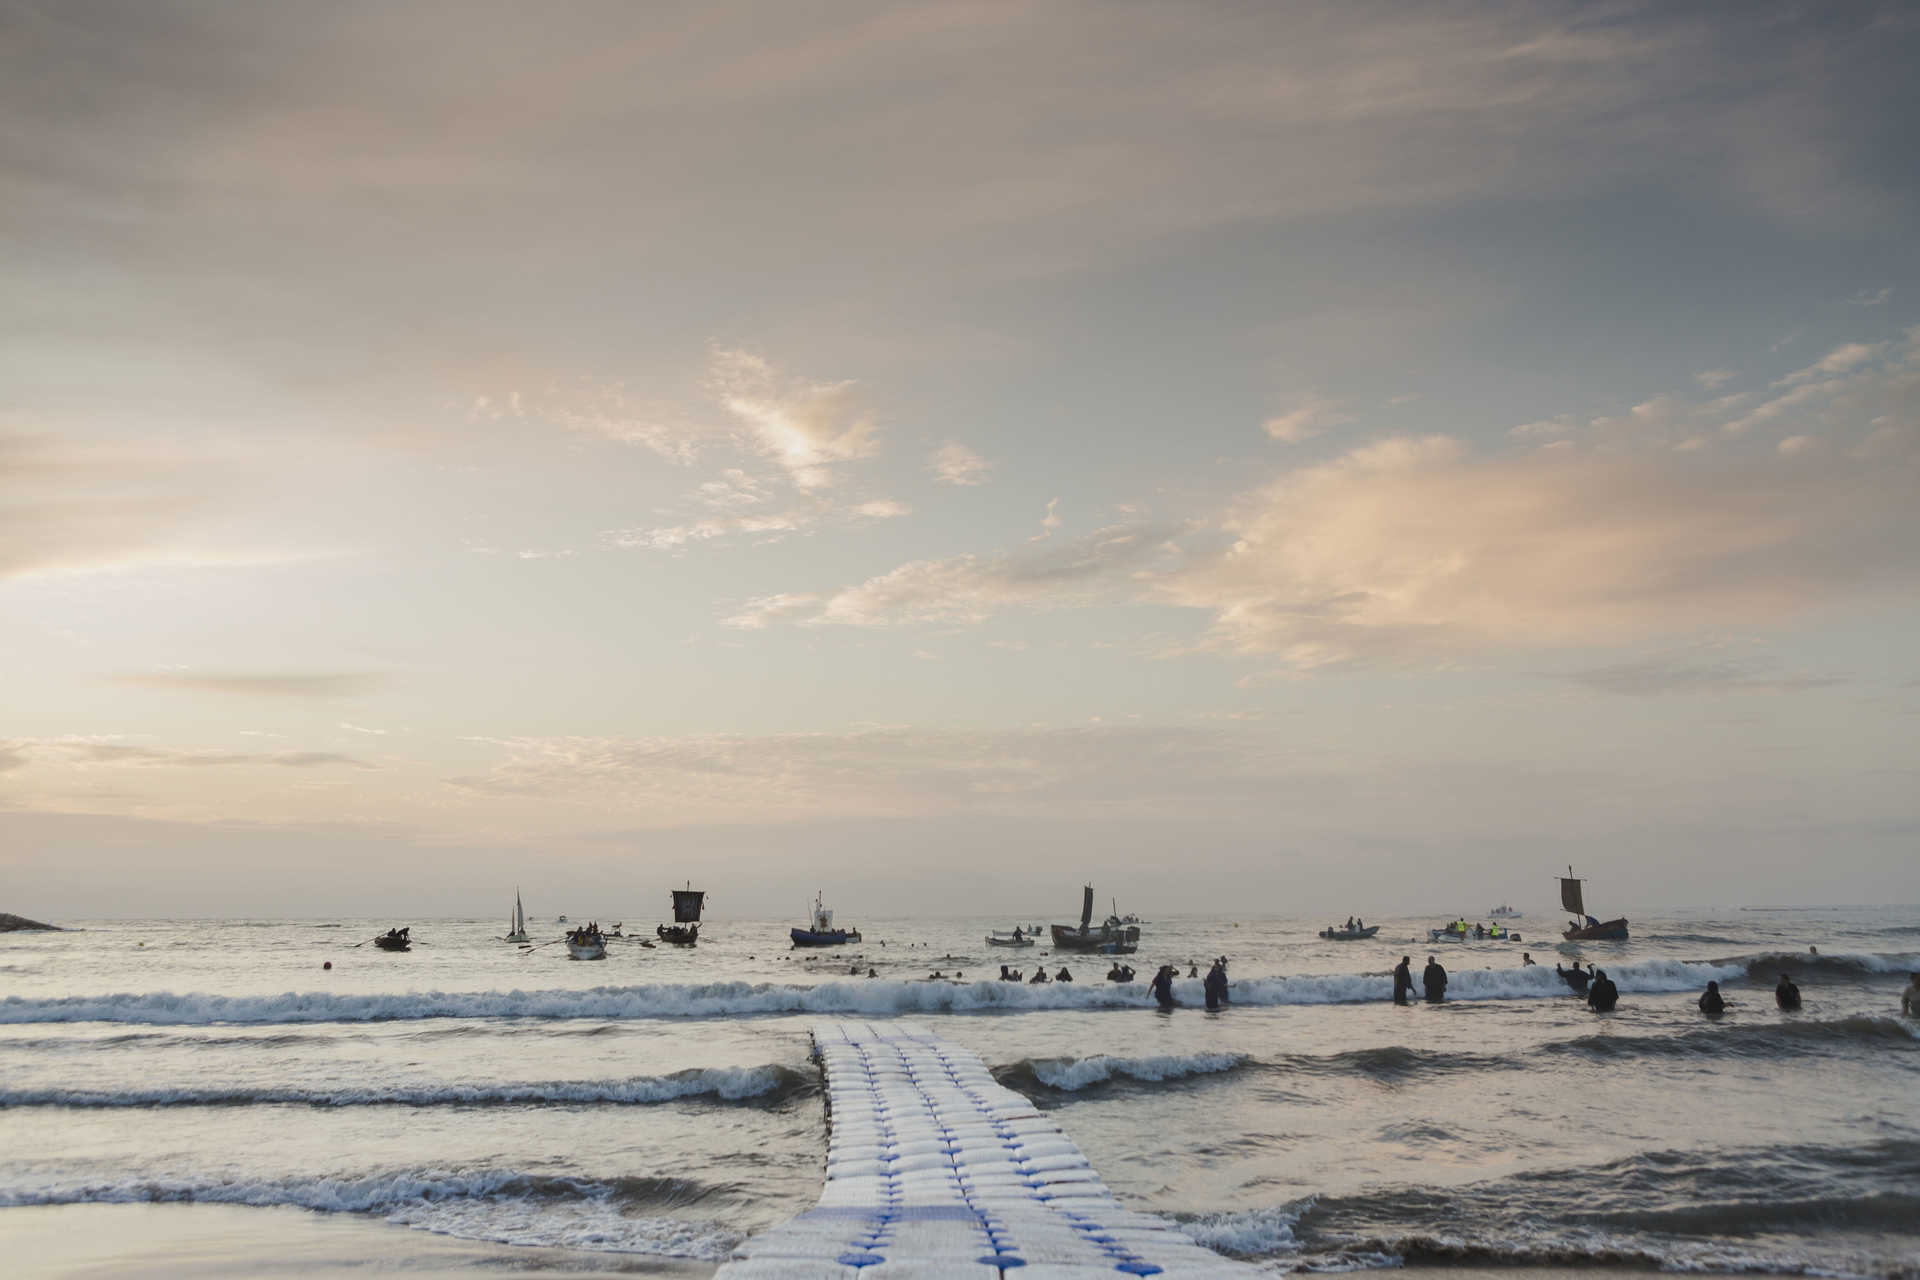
[(1258, 458)]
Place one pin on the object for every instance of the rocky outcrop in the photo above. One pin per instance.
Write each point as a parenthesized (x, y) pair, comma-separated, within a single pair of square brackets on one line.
[(9, 923)]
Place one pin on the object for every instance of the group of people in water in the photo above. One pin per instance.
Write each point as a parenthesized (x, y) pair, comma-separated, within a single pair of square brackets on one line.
[(1039, 975), (1786, 994)]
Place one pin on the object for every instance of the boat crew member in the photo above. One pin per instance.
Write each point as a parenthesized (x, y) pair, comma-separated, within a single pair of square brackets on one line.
[(1349, 922), (1163, 986), (1910, 998), (1402, 980), (1359, 924), (1711, 1003), (1786, 994), (1216, 987), (1602, 995), (1434, 978)]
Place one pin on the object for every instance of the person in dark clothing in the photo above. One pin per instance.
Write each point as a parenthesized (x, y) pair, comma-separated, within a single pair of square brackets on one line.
[(1575, 977), (1163, 987), (1602, 995), (1710, 1002), (1786, 995), (1216, 986), (1063, 975), (1039, 975), (1402, 980), (1193, 971), (1434, 979)]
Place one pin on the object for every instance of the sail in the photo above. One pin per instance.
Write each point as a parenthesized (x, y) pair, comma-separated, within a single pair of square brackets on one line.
[(686, 905), (519, 915), (1086, 909), (1570, 896)]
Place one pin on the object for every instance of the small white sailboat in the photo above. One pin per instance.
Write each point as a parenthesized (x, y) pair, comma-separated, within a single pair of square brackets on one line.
[(517, 926)]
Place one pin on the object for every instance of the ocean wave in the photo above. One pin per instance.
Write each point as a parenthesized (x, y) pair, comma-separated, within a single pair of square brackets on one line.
[(1768, 964), (1250, 1233), (1070, 1075), (1752, 1039), (503, 1205), (872, 998), (729, 1084)]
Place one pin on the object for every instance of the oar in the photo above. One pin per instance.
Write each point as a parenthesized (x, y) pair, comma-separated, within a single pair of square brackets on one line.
[(527, 949), (375, 938)]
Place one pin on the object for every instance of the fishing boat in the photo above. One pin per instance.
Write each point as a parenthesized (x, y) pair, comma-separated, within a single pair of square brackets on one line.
[(1014, 937), (1472, 933), (517, 924), (820, 931), (685, 929), (1112, 936), (1503, 912), (1584, 927), (586, 943), (1350, 935), (394, 939)]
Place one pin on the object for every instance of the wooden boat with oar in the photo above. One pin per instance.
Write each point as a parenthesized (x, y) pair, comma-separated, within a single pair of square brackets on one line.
[(395, 939), (685, 929), (1111, 937), (1014, 937), (1584, 928), (586, 943)]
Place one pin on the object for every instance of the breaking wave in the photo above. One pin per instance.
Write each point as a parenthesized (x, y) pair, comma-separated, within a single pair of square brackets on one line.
[(729, 1084), (873, 997), (505, 1206), (1073, 1074)]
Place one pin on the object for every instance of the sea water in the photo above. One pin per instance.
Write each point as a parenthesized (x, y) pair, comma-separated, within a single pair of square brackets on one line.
[(663, 1102)]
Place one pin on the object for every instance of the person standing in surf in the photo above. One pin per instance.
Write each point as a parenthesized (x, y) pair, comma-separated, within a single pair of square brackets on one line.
[(1910, 998), (1786, 994), (1602, 995), (1711, 1002), (1216, 984), (1403, 981), (1163, 987), (1434, 979)]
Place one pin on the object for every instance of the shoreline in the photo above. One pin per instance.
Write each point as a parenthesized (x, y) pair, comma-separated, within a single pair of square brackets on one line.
[(164, 1241)]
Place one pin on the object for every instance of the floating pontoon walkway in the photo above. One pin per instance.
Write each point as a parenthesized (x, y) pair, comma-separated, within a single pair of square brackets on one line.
[(936, 1172)]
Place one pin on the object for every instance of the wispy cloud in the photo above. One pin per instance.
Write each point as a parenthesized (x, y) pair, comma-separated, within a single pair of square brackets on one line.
[(1871, 298), (1415, 547), (1307, 421), (808, 428), (1689, 674), (901, 770), (968, 589), (323, 684), (1842, 359), (1714, 379), (954, 463), (98, 751)]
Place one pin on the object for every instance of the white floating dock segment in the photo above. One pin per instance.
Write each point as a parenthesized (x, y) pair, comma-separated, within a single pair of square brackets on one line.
[(937, 1172)]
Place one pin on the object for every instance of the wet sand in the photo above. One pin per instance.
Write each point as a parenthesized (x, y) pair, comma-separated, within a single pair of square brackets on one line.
[(95, 1241)]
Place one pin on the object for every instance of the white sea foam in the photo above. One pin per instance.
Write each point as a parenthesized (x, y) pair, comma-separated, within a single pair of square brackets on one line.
[(872, 997), (1078, 1073), (730, 1083), (507, 1206), (1250, 1233)]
